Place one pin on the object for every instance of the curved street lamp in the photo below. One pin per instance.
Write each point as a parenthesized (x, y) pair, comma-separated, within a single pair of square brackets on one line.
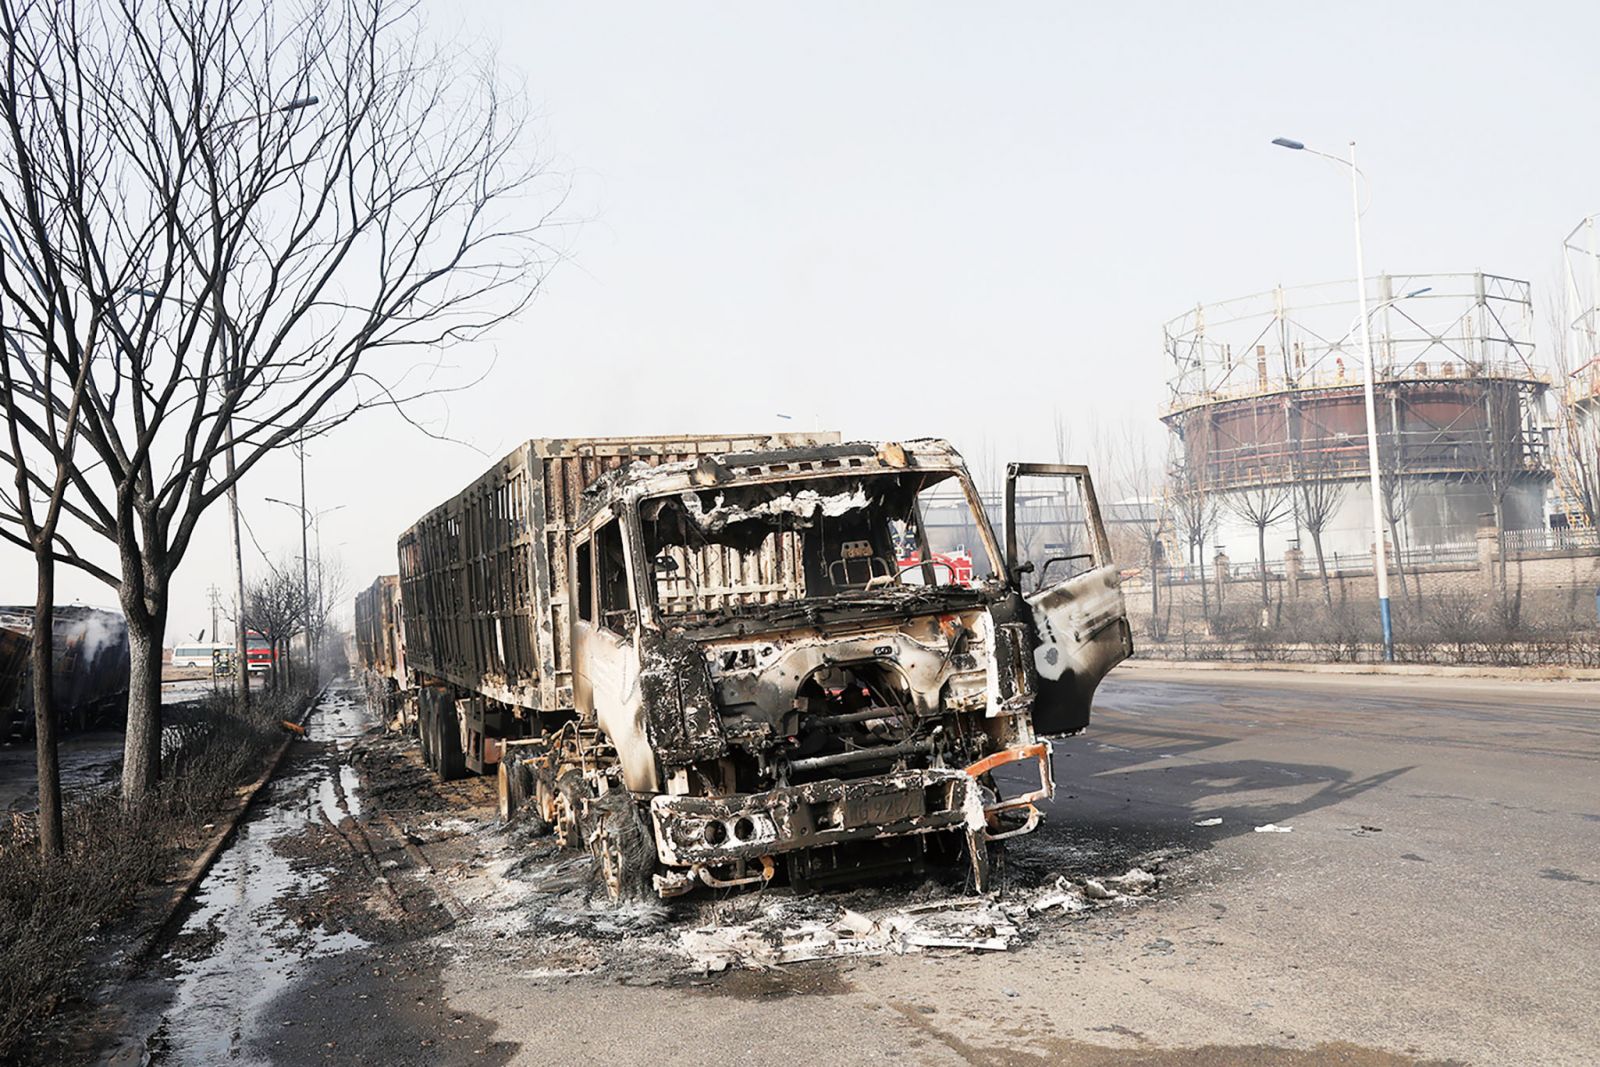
[(1380, 562)]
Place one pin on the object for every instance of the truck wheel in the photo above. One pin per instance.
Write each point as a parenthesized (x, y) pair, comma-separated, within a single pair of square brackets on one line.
[(522, 795), (570, 793), (425, 732), (447, 743), (533, 811), (623, 849)]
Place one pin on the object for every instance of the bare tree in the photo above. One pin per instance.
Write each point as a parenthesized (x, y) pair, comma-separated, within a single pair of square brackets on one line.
[(1262, 503), (1140, 479), (40, 485), (1577, 458), (275, 608), (238, 229), (329, 586), (1195, 512), (1319, 492), (1067, 528), (1398, 494)]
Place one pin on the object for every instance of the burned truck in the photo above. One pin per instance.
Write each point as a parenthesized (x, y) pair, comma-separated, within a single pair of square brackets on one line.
[(90, 655), (380, 650), (724, 660)]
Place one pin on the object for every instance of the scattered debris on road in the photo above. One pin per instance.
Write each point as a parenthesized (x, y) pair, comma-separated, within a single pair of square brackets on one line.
[(1274, 828), (1209, 822), (792, 930)]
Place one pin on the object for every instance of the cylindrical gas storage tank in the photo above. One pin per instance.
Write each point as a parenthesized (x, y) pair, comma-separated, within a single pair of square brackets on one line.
[(1267, 412)]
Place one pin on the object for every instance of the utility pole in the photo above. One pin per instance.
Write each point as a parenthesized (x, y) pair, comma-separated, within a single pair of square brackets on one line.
[(305, 557), (215, 596), (307, 517), (241, 655)]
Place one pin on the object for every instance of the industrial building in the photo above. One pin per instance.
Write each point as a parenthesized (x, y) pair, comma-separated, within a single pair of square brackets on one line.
[(1267, 416), (1577, 496)]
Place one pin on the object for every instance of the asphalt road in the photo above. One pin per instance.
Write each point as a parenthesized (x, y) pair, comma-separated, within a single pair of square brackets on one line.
[(1436, 899), (1463, 925)]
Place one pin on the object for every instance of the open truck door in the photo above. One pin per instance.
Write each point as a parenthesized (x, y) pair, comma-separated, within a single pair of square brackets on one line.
[(1059, 558)]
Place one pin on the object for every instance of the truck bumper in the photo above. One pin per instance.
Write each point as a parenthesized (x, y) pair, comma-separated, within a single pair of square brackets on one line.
[(700, 833)]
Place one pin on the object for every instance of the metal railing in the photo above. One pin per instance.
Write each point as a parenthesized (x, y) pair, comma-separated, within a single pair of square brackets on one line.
[(1448, 553), (1340, 377), (1544, 540)]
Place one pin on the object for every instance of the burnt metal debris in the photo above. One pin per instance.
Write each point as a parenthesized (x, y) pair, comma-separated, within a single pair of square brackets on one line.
[(721, 660)]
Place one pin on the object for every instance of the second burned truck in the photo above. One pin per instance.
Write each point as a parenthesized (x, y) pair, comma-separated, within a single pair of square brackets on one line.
[(707, 659)]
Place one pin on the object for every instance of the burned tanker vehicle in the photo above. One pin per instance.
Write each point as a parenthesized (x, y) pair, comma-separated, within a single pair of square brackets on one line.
[(710, 659)]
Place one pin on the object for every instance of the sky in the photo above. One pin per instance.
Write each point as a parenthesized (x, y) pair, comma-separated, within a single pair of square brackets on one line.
[(931, 219)]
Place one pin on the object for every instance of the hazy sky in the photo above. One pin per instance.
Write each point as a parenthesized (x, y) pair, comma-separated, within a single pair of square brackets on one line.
[(953, 220)]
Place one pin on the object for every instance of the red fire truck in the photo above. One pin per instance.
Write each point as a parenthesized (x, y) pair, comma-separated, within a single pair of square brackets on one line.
[(957, 562), (258, 652)]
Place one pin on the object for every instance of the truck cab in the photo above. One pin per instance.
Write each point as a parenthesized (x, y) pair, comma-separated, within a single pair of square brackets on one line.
[(775, 662)]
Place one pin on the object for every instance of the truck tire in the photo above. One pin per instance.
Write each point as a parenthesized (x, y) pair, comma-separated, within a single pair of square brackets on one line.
[(571, 791), (425, 732), (622, 846), (452, 761), (522, 792)]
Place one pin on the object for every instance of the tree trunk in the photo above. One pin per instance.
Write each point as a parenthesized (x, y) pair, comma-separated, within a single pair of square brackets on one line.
[(49, 768), (1261, 563), (1205, 593), (1155, 589), (1394, 555), (1322, 568), (141, 751)]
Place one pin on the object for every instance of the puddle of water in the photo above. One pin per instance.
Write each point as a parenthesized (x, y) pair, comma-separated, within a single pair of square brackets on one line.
[(218, 1000)]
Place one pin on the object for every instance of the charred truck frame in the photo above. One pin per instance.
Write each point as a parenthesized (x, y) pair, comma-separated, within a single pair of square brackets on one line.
[(704, 657), (381, 648)]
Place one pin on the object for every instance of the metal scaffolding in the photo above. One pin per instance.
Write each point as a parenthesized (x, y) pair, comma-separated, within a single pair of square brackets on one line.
[(1577, 446), (1265, 390)]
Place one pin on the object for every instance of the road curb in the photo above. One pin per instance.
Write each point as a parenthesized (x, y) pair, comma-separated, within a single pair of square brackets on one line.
[(1413, 670), (201, 864)]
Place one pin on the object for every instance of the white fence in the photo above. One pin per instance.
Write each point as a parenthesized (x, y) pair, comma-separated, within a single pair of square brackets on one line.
[(1552, 540), (1454, 553)]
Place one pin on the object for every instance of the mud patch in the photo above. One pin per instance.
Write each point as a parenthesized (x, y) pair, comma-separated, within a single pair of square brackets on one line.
[(395, 780), (361, 885), (816, 980)]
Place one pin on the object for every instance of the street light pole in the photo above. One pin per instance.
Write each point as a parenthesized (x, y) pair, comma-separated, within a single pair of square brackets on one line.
[(307, 517), (1379, 555), (241, 650)]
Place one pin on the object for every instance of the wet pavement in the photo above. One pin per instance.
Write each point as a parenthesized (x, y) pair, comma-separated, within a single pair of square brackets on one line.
[(251, 949), (88, 760)]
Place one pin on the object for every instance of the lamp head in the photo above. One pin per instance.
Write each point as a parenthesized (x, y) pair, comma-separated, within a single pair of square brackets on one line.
[(1284, 142)]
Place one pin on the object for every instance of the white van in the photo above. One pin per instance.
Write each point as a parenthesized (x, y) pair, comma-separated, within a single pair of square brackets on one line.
[(194, 655)]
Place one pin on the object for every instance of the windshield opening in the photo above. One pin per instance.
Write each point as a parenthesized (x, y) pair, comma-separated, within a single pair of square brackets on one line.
[(840, 537)]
